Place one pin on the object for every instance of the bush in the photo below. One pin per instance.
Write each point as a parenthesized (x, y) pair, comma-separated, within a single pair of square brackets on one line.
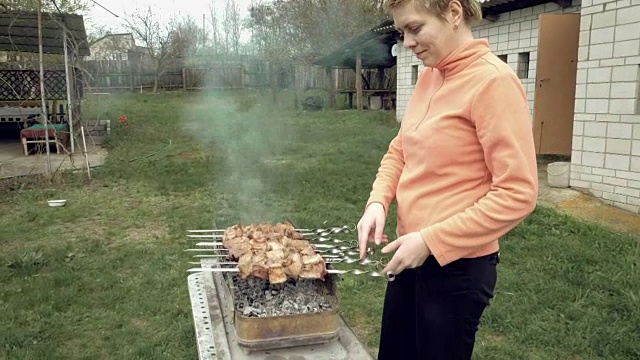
[(313, 103)]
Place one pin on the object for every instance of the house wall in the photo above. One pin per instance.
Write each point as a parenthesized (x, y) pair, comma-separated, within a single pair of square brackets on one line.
[(606, 143)]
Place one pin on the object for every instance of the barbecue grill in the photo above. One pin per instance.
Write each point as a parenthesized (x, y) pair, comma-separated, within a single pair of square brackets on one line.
[(250, 318)]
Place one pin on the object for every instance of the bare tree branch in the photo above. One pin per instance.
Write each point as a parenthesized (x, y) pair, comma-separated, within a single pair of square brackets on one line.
[(156, 39), (305, 29)]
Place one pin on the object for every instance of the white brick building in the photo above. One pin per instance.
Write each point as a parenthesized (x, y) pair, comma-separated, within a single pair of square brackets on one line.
[(603, 129)]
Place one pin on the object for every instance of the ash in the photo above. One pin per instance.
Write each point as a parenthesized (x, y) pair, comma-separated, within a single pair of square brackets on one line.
[(258, 298)]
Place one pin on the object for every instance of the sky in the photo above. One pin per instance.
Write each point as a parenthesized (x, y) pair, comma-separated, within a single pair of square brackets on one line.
[(165, 8)]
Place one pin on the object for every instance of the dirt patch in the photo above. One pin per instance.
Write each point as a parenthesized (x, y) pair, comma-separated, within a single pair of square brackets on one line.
[(191, 155), (586, 207), (495, 338), (153, 231), (276, 161), (138, 323)]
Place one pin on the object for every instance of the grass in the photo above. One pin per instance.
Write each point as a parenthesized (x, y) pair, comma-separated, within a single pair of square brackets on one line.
[(104, 277)]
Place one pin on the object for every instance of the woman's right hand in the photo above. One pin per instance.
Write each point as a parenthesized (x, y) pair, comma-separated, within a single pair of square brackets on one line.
[(371, 227)]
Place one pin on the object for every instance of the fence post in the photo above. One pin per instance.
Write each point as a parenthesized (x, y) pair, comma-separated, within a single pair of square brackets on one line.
[(184, 79), (331, 88)]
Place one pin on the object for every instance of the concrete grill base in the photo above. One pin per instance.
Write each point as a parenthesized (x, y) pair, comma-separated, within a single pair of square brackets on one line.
[(216, 336)]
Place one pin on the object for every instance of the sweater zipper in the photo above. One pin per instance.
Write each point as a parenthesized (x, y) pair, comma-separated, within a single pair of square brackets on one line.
[(429, 104)]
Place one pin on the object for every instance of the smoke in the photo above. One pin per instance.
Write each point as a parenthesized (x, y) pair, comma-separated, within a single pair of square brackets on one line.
[(249, 135), (246, 127)]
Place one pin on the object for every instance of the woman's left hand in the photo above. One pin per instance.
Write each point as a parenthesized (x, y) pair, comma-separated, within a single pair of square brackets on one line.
[(410, 251)]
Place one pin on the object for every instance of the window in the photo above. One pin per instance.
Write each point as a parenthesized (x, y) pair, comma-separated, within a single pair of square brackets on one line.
[(523, 65), (503, 57), (414, 74)]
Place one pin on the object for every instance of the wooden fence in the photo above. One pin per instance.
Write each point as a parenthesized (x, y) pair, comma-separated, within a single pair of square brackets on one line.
[(114, 75)]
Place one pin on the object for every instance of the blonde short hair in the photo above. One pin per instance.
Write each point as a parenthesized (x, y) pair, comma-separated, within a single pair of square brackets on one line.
[(470, 8)]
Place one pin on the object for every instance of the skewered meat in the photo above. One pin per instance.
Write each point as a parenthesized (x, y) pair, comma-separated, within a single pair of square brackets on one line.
[(276, 273), (273, 253), (293, 265), (254, 264), (313, 267)]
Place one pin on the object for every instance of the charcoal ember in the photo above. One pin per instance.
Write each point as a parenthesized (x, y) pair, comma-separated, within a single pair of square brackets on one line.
[(251, 311), (262, 299)]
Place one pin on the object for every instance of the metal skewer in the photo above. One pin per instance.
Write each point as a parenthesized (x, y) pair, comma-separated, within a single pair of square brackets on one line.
[(319, 246), (319, 231), (338, 255), (311, 240), (332, 260), (389, 276), (328, 231), (335, 250), (329, 259)]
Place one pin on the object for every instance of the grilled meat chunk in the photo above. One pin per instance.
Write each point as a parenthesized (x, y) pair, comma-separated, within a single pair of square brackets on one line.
[(271, 252), (245, 265), (313, 267), (277, 274), (293, 265)]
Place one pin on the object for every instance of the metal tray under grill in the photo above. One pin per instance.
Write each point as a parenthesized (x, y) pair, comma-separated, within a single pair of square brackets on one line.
[(274, 332), (286, 331), (216, 338)]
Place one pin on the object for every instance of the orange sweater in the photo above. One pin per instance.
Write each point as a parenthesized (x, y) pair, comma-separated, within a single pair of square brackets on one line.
[(463, 166)]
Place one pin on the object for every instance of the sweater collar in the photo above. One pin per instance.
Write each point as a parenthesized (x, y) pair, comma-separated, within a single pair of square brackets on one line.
[(464, 55)]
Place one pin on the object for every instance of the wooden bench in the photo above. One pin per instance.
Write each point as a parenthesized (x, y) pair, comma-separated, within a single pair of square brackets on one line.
[(36, 135)]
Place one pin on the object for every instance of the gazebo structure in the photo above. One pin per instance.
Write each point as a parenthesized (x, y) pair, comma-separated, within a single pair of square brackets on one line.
[(369, 50), (22, 106)]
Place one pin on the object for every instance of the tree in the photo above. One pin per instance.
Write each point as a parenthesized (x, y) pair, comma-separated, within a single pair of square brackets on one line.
[(232, 27), (288, 31), (227, 26), (64, 6), (306, 29), (214, 24), (97, 32), (155, 38), (185, 37)]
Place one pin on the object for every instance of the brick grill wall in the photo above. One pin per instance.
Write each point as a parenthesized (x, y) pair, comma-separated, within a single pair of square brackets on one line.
[(606, 143)]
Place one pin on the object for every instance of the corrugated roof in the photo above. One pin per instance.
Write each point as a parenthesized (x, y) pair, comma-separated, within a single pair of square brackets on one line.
[(490, 3), (496, 7), (19, 32), (374, 46)]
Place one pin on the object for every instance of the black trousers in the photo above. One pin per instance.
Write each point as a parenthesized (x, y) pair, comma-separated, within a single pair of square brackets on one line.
[(433, 312)]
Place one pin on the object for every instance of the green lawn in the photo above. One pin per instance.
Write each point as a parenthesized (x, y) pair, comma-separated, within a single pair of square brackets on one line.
[(105, 276)]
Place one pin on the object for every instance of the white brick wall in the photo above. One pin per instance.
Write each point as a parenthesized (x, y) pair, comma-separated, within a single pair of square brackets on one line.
[(606, 142), (606, 146), (404, 88)]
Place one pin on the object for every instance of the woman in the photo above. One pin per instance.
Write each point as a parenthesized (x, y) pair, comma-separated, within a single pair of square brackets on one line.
[(463, 172)]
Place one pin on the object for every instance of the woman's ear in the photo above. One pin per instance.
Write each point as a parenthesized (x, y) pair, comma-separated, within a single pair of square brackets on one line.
[(455, 15)]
